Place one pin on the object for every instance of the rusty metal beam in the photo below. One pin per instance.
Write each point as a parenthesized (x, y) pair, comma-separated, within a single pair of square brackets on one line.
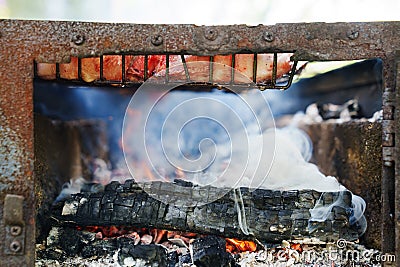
[(23, 42), (397, 165), (56, 41)]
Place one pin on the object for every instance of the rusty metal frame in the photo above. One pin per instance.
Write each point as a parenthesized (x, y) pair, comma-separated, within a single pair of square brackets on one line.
[(23, 42)]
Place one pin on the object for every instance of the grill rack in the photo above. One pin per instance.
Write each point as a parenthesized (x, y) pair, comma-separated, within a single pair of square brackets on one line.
[(281, 83)]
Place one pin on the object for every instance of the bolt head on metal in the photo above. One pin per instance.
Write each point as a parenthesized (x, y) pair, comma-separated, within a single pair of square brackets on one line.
[(388, 163), (15, 246), (157, 40), (211, 34), (353, 34), (15, 230), (268, 36), (78, 39)]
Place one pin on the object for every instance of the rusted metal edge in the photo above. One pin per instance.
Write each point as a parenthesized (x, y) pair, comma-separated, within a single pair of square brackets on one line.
[(396, 163), (312, 41), (14, 225)]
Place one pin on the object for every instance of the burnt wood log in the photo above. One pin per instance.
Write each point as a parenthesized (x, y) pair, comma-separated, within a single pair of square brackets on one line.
[(271, 216)]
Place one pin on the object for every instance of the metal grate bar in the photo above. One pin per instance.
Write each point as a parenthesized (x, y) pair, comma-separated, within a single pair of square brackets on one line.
[(35, 69), (57, 70), (80, 69), (255, 68), (274, 69), (210, 70), (167, 68), (123, 78), (101, 68), (233, 69), (185, 68), (291, 75), (146, 67)]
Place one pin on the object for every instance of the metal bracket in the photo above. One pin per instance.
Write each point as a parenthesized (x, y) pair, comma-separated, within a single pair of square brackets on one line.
[(14, 225), (396, 155), (389, 127), (388, 169)]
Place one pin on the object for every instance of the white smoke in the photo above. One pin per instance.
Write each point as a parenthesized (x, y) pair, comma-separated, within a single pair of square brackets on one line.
[(229, 141), (290, 168), (197, 132), (321, 211)]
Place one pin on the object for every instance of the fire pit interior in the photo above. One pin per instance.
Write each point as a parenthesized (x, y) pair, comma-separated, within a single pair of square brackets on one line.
[(81, 115)]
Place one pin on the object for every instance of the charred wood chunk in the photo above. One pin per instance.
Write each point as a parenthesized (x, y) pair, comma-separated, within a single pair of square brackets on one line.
[(65, 241), (306, 200), (271, 216), (100, 248), (184, 260), (142, 255), (290, 200), (211, 251), (51, 254), (183, 183), (263, 200), (173, 259)]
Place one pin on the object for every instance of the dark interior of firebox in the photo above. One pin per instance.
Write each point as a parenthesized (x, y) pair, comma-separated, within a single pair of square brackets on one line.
[(78, 128)]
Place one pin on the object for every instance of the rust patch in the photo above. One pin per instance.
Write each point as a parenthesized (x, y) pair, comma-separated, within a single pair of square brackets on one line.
[(245, 43)]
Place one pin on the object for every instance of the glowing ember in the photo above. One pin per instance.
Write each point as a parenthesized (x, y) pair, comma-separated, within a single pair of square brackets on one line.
[(111, 231), (156, 236), (144, 235), (296, 247), (236, 246)]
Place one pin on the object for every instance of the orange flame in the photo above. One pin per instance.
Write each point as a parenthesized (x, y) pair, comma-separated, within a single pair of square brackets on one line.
[(107, 231), (147, 172), (233, 245), (236, 246), (297, 247)]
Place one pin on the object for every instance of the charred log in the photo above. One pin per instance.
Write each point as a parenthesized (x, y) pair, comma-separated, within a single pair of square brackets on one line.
[(271, 216)]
